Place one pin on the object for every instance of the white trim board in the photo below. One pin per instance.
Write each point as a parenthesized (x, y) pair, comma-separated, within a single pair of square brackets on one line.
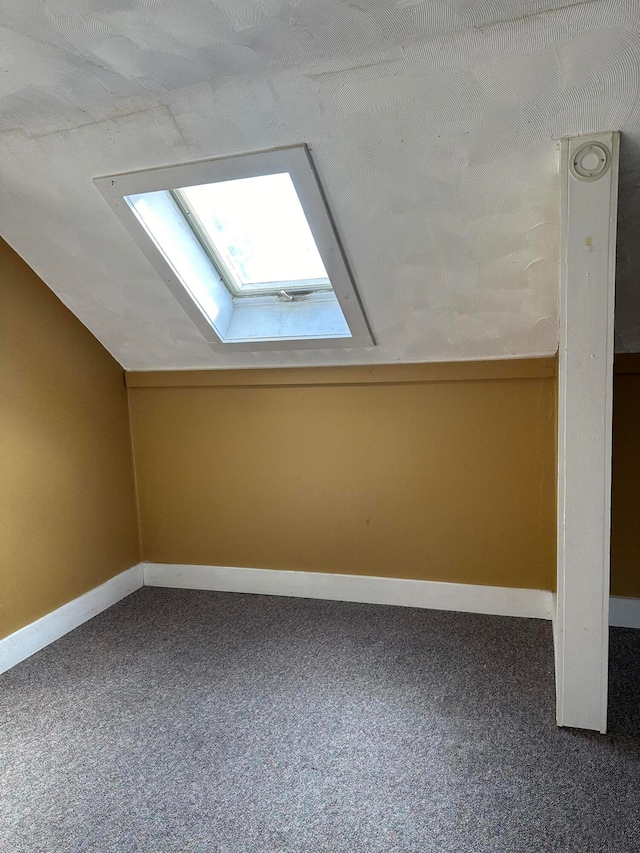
[(35, 636), (624, 612), (589, 187), (435, 595)]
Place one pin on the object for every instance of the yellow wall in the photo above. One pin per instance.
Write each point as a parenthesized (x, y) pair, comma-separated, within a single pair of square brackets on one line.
[(625, 510), (67, 504), (443, 472)]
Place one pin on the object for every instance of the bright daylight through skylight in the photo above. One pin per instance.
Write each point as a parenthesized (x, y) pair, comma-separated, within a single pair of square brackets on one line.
[(260, 236)]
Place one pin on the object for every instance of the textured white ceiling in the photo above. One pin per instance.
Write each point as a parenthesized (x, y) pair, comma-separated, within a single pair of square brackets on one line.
[(433, 125)]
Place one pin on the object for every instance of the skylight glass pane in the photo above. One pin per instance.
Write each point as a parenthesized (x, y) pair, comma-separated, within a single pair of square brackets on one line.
[(259, 229)]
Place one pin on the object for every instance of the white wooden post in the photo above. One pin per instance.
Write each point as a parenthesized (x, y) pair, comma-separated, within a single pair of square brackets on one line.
[(589, 175)]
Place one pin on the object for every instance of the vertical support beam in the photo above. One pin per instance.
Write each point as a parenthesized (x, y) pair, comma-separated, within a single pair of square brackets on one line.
[(589, 175)]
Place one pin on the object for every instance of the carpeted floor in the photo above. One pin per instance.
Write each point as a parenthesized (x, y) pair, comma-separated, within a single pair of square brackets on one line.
[(219, 723)]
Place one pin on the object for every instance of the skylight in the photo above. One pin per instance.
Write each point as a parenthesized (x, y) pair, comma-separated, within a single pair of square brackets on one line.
[(257, 234), (247, 246)]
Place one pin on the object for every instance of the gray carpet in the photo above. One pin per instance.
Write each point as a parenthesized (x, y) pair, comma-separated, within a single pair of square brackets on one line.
[(220, 723)]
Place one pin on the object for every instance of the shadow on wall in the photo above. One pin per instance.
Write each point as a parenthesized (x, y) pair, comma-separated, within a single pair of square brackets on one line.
[(625, 508)]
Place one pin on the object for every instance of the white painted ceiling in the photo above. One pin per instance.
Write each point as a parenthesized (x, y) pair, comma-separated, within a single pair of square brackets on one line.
[(433, 126)]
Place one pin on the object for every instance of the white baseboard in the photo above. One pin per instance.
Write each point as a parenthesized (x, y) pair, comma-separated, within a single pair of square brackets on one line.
[(465, 598), (434, 595), (624, 612), (30, 639)]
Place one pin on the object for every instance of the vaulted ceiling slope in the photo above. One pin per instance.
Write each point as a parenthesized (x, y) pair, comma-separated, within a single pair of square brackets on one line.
[(433, 126)]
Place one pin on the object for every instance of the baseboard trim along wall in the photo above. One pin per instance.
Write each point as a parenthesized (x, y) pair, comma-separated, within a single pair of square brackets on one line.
[(35, 636), (624, 612), (366, 589), (435, 595), (402, 592)]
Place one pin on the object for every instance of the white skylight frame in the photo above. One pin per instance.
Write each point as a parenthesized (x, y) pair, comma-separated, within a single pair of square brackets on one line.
[(329, 318)]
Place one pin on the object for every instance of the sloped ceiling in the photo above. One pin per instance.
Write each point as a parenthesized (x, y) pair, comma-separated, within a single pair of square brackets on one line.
[(433, 126)]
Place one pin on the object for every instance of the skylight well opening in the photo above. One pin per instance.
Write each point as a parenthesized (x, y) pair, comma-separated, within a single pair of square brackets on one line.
[(247, 246)]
